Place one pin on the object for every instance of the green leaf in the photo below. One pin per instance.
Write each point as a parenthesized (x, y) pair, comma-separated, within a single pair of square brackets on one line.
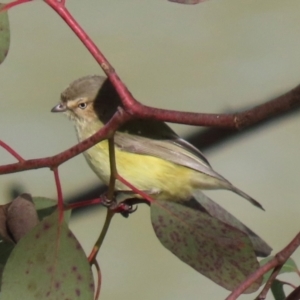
[(6, 248), (46, 206), (277, 290), (16, 219), (4, 34), (261, 248), (217, 250), (289, 267), (48, 263)]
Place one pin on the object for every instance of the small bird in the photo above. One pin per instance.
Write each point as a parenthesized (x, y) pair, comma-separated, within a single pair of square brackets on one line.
[(149, 154)]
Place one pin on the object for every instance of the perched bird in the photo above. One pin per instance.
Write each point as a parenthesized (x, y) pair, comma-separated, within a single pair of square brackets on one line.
[(149, 154)]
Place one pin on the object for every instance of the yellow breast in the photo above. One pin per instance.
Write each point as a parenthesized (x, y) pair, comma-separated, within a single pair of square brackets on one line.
[(145, 172)]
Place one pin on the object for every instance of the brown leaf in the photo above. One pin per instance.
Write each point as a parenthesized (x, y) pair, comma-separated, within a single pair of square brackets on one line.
[(21, 216), (217, 250), (260, 246), (3, 229)]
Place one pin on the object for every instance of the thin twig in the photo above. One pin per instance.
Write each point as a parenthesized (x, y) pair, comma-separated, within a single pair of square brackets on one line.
[(81, 204), (287, 283), (10, 5), (118, 119), (279, 259), (234, 121), (263, 294), (60, 200), (12, 152), (109, 215), (99, 280), (113, 168), (134, 189), (134, 108)]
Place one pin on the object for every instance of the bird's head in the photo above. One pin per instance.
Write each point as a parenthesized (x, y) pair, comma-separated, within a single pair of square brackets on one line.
[(77, 101)]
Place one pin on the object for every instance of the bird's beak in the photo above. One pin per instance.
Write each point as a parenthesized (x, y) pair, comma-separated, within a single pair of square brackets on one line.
[(60, 107)]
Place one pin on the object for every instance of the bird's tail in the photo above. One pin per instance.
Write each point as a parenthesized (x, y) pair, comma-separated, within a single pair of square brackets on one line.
[(203, 203), (246, 196)]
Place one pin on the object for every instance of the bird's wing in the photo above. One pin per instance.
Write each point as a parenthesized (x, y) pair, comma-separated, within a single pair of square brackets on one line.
[(174, 150), (149, 137)]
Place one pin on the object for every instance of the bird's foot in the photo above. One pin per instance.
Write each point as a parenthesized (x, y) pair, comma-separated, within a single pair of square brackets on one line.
[(107, 202), (124, 208)]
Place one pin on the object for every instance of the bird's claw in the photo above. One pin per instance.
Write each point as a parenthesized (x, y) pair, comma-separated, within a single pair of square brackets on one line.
[(125, 209), (122, 208)]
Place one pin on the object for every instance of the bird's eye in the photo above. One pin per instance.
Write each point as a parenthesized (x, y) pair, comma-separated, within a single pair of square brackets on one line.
[(82, 105)]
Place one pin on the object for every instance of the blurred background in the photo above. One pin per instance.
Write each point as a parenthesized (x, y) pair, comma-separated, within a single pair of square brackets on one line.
[(218, 56)]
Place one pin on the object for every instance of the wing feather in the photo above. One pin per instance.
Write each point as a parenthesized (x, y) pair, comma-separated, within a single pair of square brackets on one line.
[(174, 150)]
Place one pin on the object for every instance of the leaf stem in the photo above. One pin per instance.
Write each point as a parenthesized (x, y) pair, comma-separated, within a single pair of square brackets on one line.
[(99, 280), (80, 204), (109, 215), (9, 5), (134, 189), (263, 294), (278, 259), (60, 201), (12, 152)]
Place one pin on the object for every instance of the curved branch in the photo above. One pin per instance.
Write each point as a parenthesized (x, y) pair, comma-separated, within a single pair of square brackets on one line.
[(278, 260), (263, 112), (136, 109), (16, 155), (253, 116), (60, 199), (52, 162)]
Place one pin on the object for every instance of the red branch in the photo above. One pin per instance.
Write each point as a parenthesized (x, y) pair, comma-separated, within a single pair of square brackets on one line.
[(60, 9), (10, 5), (60, 200), (11, 151), (278, 260), (134, 108), (134, 189), (99, 280), (84, 203), (54, 161)]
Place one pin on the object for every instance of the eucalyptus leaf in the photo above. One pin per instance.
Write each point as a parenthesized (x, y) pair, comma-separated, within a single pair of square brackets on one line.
[(217, 250), (48, 263), (4, 34), (289, 267), (261, 248), (4, 233), (46, 206), (5, 249), (16, 219), (277, 290)]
